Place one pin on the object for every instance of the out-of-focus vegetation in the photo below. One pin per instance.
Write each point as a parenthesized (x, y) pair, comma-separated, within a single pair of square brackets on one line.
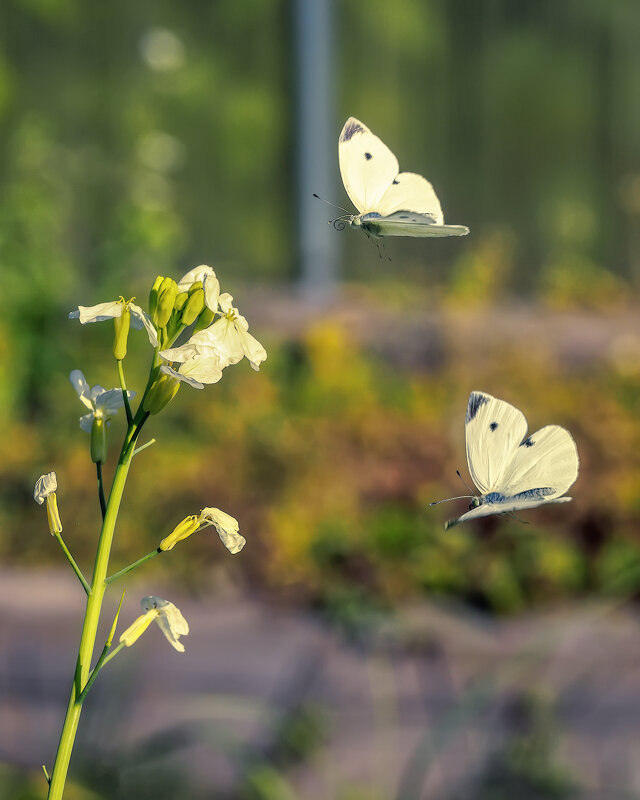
[(144, 140), (329, 457)]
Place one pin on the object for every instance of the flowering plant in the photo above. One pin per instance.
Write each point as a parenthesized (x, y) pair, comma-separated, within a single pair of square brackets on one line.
[(218, 338)]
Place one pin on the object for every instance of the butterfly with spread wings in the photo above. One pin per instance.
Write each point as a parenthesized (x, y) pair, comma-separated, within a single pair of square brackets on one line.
[(389, 202), (514, 471)]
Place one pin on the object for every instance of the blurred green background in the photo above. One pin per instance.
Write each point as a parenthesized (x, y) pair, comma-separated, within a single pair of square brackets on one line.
[(145, 138)]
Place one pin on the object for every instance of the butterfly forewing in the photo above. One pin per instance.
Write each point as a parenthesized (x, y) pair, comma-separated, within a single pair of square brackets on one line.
[(367, 165), (546, 458), (493, 432)]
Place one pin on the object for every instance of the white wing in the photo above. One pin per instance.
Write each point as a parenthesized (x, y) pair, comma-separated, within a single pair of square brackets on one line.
[(407, 223), (493, 432), (511, 504), (367, 165), (547, 458), (410, 192)]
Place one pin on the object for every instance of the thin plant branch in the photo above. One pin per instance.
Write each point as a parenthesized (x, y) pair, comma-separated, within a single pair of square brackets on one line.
[(133, 566), (125, 395), (103, 504), (72, 561)]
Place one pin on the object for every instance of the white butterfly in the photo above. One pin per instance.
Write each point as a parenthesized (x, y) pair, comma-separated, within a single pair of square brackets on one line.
[(514, 471), (389, 202)]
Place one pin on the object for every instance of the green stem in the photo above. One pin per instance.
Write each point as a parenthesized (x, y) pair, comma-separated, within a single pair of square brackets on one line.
[(143, 446), (105, 657), (72, 561), (125, 395), (103, 505), (131, 566), (92, 614)]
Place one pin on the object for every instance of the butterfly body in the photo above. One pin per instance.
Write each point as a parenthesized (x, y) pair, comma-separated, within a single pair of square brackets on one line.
[(514, 471), (389, 202)]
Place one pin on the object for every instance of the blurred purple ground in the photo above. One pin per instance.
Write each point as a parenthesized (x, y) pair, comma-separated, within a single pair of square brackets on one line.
[(424, 704)]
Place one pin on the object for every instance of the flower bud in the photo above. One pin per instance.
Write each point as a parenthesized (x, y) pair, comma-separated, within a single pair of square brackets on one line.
[(182, 531), (162, 391), (98, 440), (153, 298), (167, 294), (193, 307), (181, 299), (204, 320), (121, 326)]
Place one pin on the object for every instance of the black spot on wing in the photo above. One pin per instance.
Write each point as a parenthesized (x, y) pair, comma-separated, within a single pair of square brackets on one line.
[(475, 401), (533, 494), (368, 156), (494, 426), (350, 130), (528, 442), (395, 181)]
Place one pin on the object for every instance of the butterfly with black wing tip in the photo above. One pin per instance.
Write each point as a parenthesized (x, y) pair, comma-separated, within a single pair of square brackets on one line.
[(511, 470), (389, 202)]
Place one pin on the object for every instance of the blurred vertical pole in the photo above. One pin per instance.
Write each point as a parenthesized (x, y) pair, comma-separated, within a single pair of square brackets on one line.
[(317, 147)]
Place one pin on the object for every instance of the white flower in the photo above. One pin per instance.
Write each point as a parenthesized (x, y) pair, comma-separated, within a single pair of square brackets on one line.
[(225, 524), (210, 284), (45, 489), (169, 619), (199, 364), (45, 485), (102, 403), (230, 336), (105, 311)]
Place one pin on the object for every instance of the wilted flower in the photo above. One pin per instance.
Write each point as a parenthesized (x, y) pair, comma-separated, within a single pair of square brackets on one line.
[(169, 619), (45, 489), (226, 526)]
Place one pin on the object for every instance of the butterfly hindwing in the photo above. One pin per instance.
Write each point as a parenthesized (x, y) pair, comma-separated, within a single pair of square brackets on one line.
[(513, 504), (493, 432), (407, 223), (367, 165), (548, 457), (410, 192)]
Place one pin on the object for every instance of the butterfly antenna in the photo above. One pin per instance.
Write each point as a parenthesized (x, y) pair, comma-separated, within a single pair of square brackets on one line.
[(459, 497), (317, 196), (463, 480)]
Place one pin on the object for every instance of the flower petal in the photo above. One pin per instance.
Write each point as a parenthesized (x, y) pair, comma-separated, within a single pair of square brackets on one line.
[(227, 527), (169, 619), (86, 422), (79, 383), (252, 348), (184, 378), (180, 354), (140, 319), (99, 313), (211, 288), (193, 276), (45, 485)]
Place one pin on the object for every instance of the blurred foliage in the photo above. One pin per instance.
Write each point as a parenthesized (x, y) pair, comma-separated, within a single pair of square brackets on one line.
[(526, 766), (138, 138), (329, 457)]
